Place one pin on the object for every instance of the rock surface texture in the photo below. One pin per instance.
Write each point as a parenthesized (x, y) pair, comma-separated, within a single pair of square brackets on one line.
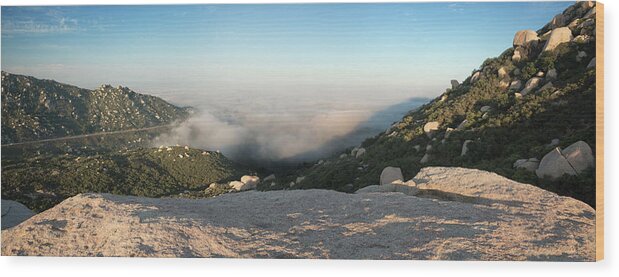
[(457, 214)]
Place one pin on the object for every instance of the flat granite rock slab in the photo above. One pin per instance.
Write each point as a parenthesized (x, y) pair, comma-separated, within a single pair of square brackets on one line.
[(460, 214)]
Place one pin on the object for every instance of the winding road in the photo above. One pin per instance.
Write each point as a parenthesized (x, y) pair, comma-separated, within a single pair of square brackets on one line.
[(87, 135)]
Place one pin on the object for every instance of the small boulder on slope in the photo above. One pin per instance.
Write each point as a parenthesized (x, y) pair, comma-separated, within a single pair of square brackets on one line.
[(390, 174), (14, 213), (580, 156), (430, 127), (360, 152), (573, 160), (251, 181)]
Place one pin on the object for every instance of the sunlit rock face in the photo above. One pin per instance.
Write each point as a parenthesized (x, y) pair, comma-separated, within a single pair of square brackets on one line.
[(454, 214)]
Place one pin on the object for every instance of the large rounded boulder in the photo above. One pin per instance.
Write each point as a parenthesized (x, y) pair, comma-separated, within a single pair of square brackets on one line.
[(558, 36), (524, 37), (573, 160), (430, 127), (251, 181), (580, 156), (391, 174)]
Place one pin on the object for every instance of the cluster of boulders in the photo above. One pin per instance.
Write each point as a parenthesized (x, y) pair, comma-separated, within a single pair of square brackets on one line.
[(432, 127), (573, 160), (357, 152), (576, 24), (392, 180), (247, 182)]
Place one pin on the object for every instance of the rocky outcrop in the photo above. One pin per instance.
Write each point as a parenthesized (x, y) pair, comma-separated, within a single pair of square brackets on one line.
[(390, 174), (515, 85), (465, 147), (554, 142), (527, 164), (580, 156), (524, 37), (247, 183), (360, 153), (518, 54), (582, 39), (456, 214), (502, 73), (475, 76), (573, 160), (557, 21), (14, 213), (524, 42), (531, 85), (239, 186), (217, 186), (554, 165), (251, 181), (454, 84), (557, 36), (462, 125), (430, 127), (504, 83)]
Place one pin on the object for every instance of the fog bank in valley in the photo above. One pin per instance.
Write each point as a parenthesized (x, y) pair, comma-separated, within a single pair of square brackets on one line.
[(272, 135)]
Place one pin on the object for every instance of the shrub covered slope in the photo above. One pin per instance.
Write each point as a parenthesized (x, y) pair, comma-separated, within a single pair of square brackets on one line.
[(493, 109)]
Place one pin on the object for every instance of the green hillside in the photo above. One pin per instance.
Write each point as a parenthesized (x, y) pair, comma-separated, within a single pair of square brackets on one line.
[(503, 121), (34, 109), (42, 182)]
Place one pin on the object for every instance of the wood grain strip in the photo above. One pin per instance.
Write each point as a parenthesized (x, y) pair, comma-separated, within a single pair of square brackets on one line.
[(599, 131)]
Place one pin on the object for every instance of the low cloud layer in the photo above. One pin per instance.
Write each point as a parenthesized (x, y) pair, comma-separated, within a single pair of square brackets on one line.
[(251, 140), (273, 138)]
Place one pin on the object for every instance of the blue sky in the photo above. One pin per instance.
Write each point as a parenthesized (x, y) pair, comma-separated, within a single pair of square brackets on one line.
[(398, 49)]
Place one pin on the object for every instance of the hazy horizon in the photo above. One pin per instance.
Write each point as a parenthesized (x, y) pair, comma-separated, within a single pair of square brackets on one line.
[(285, 79)]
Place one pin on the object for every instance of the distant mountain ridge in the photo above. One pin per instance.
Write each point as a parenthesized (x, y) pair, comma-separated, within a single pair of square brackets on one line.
[(35, 109)]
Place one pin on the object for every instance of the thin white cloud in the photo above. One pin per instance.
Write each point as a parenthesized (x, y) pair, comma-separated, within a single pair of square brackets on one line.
[(455, 7), (52, 21), (30, 26)]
